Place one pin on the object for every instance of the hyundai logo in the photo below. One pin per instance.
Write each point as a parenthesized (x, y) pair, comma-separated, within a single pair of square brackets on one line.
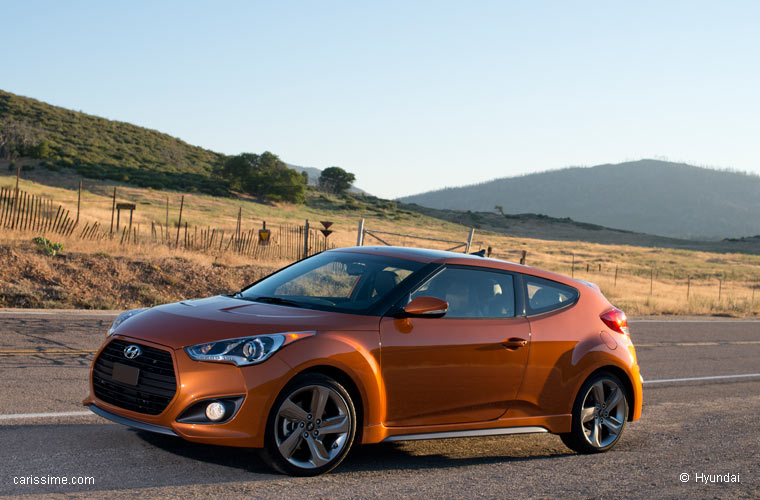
[(131, 352)]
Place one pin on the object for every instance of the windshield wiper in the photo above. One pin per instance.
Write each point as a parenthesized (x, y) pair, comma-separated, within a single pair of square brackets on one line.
[(275, 300)]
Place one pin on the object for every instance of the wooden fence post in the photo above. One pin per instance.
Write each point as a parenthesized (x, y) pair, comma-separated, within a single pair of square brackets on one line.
[(305, 240), (179, 223), (237, 229), (522, 258), (15, 198), (113, 209), (572, 266), (360, 234), (616, 273), (129, 231), (469, 240), (79, 199), (166, 227), (16, 207), (688, 287), (720, 288), (651, 281)]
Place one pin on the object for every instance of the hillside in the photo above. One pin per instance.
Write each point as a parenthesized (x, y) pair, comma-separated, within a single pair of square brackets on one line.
[(647, 196), (98, 148)]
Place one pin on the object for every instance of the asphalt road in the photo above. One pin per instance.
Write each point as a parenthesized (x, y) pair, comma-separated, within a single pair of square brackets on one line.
[(709, 427)]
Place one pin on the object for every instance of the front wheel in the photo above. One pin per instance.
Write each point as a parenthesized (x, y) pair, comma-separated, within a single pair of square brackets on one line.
[(599, 415), (311, 427)]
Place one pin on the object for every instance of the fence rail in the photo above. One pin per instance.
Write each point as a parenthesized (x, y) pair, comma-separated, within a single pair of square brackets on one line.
[(23, 211), (364, 231)]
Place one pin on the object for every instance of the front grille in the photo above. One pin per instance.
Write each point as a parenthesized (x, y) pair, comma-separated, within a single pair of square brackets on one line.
[(156, 384)]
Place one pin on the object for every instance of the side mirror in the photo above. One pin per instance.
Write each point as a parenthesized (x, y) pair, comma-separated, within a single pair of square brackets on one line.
[(427, 307)]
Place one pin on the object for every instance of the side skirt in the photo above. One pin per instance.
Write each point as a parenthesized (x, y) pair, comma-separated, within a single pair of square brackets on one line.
[(470, 433)]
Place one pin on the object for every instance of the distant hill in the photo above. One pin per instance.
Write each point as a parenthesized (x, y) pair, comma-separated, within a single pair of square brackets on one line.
[(647, 196), (543, 227)]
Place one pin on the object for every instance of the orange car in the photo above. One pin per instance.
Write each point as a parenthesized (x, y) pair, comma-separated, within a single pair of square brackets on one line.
[(371, 344)]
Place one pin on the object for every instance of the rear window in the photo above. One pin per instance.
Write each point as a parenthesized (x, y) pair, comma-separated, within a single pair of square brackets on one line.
[(545, 295)]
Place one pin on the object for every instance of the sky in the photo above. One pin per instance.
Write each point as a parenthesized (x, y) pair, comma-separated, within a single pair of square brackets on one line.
[(412, 95)]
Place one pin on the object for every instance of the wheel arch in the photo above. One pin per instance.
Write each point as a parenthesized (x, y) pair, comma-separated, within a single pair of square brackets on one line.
[(624, 378), (348, 383)]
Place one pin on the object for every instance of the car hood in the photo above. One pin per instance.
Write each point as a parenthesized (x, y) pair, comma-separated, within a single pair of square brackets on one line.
[(191, 322)]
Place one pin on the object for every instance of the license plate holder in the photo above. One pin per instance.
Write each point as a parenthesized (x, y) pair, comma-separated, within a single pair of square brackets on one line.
[(125, 374)]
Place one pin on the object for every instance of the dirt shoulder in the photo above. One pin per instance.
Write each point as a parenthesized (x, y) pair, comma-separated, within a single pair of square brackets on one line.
[(31, 280)]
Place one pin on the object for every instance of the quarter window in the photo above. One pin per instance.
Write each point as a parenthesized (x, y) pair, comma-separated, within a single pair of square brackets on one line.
[(545, 295), (472, 293)]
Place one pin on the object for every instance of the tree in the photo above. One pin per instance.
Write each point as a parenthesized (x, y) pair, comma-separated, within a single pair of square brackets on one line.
[(263, 175), (40, 151), (16, 138), (336, 180)]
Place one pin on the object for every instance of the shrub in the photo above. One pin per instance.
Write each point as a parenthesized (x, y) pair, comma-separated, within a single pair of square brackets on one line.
[(47, 247)]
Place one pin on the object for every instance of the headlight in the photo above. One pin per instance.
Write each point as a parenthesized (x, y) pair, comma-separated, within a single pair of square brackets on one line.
[(245, 350), (121, 318)]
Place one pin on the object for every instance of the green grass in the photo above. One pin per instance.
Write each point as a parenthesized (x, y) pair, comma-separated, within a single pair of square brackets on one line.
[(98, 148)]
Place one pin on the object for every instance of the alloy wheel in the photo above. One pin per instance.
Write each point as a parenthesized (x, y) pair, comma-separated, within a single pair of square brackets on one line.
[(312, 426), (603, 413)]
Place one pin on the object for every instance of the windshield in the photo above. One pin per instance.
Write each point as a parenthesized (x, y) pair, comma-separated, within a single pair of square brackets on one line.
[(334, 281)]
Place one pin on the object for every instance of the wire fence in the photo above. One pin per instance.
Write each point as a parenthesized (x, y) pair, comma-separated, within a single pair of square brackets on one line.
[(25, 212), (668, 288)]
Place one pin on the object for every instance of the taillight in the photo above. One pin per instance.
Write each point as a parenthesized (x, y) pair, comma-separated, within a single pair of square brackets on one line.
[(616, 320)]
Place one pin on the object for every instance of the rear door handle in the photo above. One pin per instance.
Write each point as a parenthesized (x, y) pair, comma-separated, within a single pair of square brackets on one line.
[(514, 343)]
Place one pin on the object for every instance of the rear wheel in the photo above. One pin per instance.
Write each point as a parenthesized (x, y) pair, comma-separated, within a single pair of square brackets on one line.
[(599, 415), (311, 427)]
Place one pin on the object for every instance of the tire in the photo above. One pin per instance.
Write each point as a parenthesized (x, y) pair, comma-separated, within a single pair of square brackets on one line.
[(311, 427), (604, 420)]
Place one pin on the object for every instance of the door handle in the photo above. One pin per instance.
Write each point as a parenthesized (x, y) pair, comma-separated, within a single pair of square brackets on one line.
[(514, 343)]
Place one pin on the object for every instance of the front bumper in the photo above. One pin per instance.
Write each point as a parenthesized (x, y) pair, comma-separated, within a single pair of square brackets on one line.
[(198, 381), (143, 426)]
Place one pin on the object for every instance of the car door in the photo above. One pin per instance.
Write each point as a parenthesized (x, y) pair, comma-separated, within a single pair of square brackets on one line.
[(463, 367)]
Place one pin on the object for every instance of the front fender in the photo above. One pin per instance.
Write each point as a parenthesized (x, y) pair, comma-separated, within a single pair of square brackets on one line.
[(357, 354)]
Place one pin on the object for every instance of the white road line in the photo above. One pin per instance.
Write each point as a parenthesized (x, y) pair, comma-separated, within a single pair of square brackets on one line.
[(62, 312), (694, 321), (698, 344), (690, 379), (19, 416)]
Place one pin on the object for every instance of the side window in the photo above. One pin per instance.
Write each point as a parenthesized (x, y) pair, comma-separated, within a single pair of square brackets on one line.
[(472, 293), (544, 295)]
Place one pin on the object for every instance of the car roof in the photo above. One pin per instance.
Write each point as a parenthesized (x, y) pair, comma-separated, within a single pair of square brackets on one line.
[(416, 254), (428, 255)]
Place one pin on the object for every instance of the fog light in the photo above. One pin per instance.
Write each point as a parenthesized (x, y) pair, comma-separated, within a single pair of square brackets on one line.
[(215, 411)]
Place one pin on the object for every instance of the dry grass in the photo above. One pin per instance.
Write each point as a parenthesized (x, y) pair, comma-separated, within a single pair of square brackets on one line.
[(99, 280), (132, 264)]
